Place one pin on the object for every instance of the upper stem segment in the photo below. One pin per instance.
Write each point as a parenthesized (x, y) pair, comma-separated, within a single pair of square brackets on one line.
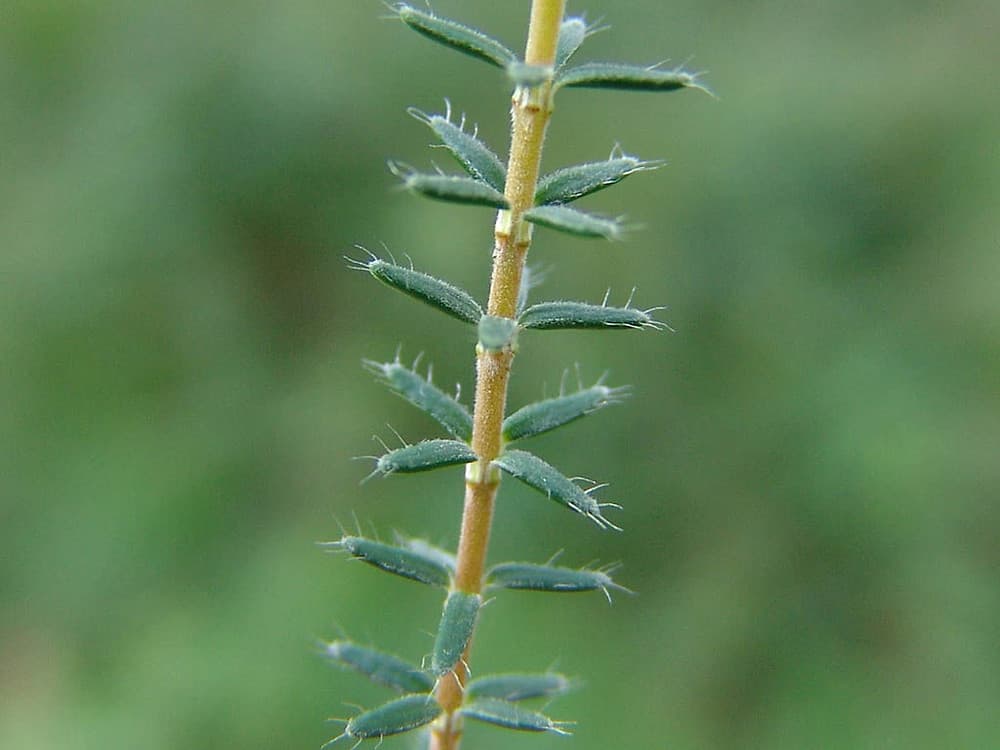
[(530, 113)]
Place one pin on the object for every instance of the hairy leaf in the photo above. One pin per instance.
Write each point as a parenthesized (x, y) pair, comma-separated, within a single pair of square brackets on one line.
[(568, 184), (571, 221), (565, 314), (474, 155), (427, 397), (518, 687), (511, 716), (457, 36), (405, 562), (425, 548), (384, 669), (542, 416), (532, 577), (572, 32), (598, 75), (394, 717), (458, 620), (468, 190), (535, 473), (423, 456), (449, 299)]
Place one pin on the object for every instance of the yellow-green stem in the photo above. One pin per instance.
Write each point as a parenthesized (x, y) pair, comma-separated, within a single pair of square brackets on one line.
[(530, 113)]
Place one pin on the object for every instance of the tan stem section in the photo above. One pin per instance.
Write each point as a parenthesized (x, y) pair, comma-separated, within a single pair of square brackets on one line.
[(529, 115)]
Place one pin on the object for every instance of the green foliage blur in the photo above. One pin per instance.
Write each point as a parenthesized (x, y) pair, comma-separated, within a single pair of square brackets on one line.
[(808, 464)]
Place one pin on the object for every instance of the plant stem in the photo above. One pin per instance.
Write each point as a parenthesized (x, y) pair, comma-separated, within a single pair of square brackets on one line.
[(530, 113)]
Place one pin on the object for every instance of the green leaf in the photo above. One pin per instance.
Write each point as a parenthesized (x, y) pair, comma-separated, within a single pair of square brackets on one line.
[(496, 334), (437, 293), (542, 416), (405, 562), (599, 75), (427, 397), (532, 577), (457, 36), (511, 716), (423, 456), (529, 76), (384, 669), (572, 32), (395, 717), (568, 184), (458, 621), (467, 190), (564, 314), (574, 222), (530, 278), (539, 475), (425, 548), (474, 155), (518, 687)]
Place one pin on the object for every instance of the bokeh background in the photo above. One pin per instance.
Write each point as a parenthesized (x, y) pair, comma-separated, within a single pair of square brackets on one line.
[(808, 465)]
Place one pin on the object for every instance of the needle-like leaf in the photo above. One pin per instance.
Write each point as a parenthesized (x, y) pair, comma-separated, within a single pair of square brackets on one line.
[(401, 561), (458, 620), (542, 416), (449, 299), (532, 577), (511, 716), (474, 155), (600, 75), (569, 183), (548, 480), (456, 35), (518, 687), (564, 314), (424, 456), (384, 669), (454, 189), (426, 396), (572, 32), (572, 221), (394, 717)]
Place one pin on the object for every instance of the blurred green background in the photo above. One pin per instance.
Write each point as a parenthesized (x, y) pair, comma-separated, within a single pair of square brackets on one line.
[(808, 465)]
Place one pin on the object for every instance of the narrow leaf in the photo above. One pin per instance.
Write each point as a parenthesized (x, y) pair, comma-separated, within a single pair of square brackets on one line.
[(427, 397), (542, 416), (457, 36), (474, 155), (497, 333), (458, 621), (423, 456), (530, 278), (395, 717), (565, 314), (405, 562), (574, 222), (384, 669), (532, 577), (511, 716), (518, 687), (449, 299), (568, 184), (535, 473), (468, 190), (572, 32), (425, 548), (599, 75)]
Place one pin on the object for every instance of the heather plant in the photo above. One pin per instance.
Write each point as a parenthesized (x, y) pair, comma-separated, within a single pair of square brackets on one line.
[(440, 692)]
